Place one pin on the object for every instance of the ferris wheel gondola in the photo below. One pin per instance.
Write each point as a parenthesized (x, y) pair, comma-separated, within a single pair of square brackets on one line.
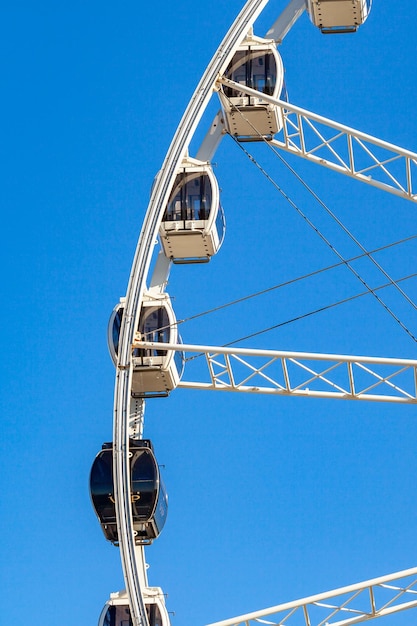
[(193, 225), (258, 65), (116, 611), (148, 496), (155, 372)]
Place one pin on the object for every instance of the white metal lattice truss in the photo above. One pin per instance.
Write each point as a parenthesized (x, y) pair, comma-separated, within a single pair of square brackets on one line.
[(343, 149), (358, 603), (300, 374)]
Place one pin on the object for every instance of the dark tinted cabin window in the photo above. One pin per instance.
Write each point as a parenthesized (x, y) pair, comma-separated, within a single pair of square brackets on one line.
[(154, 615), (190, 199), (144, 484), (255, 69), (161, 509), (117, 322), (143, 467), (179, 359), (118, 616), (101, 487), (154, 326), (110, 616), (102, 474), (220, 224)]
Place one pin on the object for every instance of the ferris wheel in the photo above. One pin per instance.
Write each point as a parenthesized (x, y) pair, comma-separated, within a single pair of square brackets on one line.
[(246, 76)]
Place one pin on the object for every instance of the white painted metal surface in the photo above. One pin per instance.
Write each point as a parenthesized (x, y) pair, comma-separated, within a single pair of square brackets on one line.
[(338, 16), (301, 374), (353, 604), (343, 149), (286, 20), (124, 412)]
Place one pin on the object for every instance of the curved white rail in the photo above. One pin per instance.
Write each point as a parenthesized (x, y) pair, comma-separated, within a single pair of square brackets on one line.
[(132, 562)]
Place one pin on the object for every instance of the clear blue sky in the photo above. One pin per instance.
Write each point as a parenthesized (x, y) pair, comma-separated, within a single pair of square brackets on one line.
[(271, 499)]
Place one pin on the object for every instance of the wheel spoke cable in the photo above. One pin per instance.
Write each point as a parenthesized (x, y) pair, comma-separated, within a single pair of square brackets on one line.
[(326, 241)]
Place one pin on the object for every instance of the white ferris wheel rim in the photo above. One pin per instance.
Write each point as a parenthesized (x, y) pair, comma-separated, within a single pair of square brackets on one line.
[(133, 563)]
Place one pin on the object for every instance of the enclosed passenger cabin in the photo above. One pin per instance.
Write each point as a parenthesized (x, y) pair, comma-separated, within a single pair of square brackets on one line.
[(148, 496), (257, 65), (193, 225), (155, 372), (338, 16), (116, 611)]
